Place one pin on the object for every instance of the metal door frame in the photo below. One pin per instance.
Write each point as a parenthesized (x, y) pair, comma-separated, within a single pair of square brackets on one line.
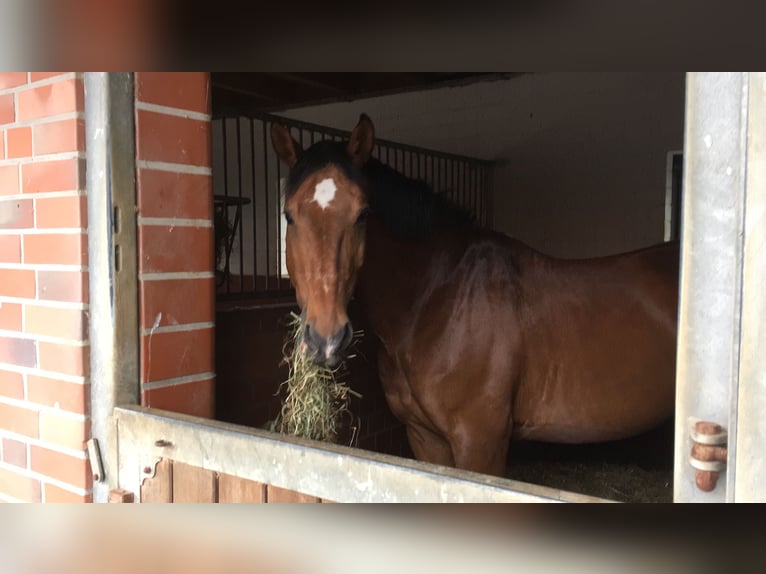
[(720, 373)]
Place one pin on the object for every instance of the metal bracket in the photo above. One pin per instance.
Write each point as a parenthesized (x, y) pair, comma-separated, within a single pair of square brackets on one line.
[(96, 465), (155, 456), (708, 453)]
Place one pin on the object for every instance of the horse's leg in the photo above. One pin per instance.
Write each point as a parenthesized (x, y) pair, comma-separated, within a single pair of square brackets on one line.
[(482, 448), (428, 446)]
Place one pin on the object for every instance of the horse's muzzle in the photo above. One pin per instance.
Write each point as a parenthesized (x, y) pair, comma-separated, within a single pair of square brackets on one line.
[(330, 351)]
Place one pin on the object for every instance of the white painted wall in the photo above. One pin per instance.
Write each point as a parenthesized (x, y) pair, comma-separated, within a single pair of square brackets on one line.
[(584, 154)]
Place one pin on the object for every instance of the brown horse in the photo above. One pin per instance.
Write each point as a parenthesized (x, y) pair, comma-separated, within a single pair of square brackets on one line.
[(481, 337)]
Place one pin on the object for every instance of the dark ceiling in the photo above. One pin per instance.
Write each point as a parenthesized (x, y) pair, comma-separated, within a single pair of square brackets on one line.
[(235, 93)]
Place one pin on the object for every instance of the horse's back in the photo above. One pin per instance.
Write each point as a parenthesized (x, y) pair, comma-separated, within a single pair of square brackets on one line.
[(599, 345)]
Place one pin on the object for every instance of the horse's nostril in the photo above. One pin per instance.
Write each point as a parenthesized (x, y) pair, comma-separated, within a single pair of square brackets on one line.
[(328, 350), (340, 341), (310, 338)]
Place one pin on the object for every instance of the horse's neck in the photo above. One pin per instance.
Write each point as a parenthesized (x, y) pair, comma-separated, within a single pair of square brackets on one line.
[(394, 277)]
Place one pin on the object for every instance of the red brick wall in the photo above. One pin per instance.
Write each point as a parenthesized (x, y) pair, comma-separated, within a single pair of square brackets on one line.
[(175, 235), (44, 346)]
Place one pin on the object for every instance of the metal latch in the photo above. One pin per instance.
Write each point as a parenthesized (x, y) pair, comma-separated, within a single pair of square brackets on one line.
[(708, 454), (94, 453)]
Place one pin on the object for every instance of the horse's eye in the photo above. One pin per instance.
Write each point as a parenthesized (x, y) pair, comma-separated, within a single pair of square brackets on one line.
[(362, 217), (288, 218)]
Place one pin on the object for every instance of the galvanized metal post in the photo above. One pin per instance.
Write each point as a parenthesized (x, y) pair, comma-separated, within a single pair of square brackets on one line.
[(750, 468), (708, 373), (113, 322)]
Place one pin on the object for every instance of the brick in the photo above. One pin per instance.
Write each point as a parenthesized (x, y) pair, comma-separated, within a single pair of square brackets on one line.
[(63, 467), (63, 358), (10, 249), (19, 142), (68, 286), (176, 354), (63, 430), (62, 212), (173, 139), (57, 175), (2, 145), (175, 249), (60, 137), (16, 351), (55, 494), (9, 180), (19, 420), (62, 97), (17, 214), (11, 385), (20, 487), (37, 76), (195, 399), (18, 283), (177, 302), (12, 79), (7, 109), (169, 194), (15, 452), (69, 324), (10, 316), (64, 395), (183, 90), (62, 249)]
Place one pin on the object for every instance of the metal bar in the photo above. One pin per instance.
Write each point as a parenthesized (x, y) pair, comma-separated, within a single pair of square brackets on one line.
[(324, 470), (475, 191), (711, 269), (261, 295), (226, 268), (439, 180), (237, 217), (484, 193), (266, 209), (278, 206), (432, 180), (451, 179), (254, 207), (112, 254), (467, 185), (472, 189), (750, 464), (418, 159), (489, 199)]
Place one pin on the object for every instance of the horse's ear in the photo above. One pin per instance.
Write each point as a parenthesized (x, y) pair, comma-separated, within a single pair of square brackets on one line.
[(285, 145), (362, 141)]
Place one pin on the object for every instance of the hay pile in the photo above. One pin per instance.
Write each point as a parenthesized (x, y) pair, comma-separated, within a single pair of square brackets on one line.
[(316, 401)]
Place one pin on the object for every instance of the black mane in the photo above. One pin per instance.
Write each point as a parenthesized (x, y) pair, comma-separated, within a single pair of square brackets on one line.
[(407, 207)]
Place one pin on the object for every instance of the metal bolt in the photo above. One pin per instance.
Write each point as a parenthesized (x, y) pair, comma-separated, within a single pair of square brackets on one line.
[(162, 443)]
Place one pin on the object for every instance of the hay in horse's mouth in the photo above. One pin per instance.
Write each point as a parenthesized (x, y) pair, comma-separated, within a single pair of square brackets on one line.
[(315, 400)]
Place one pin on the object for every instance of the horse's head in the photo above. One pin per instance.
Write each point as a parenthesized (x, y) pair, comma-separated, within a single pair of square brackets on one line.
[(325, 211)]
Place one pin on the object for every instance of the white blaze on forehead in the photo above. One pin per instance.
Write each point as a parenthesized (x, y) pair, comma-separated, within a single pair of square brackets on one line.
[(325, 192)]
